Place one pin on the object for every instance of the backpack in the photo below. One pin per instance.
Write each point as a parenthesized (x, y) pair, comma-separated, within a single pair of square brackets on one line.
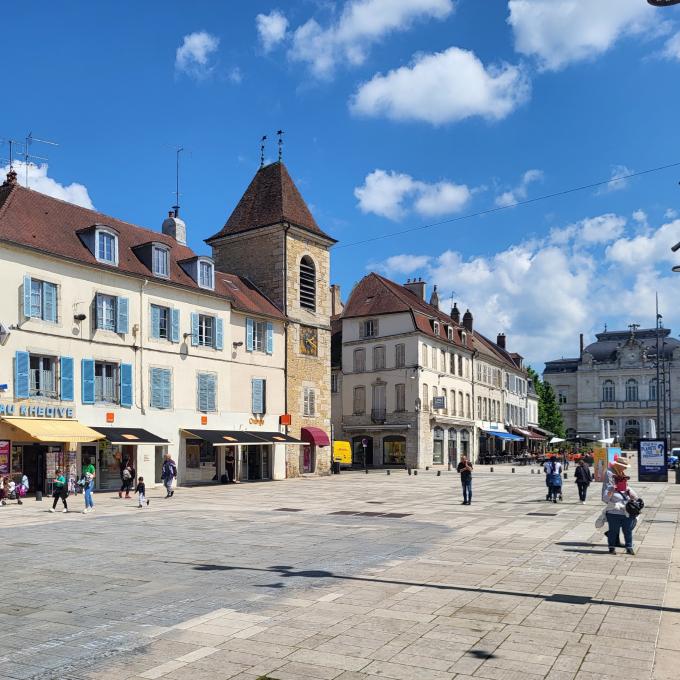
[(127, 474), (634, 507)]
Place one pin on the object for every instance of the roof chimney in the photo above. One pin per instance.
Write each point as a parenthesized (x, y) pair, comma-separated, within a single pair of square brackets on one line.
[(336, 300), (455, 313), (174, 226), (500, 341), (434, 298), (467, 321), (417, 287)]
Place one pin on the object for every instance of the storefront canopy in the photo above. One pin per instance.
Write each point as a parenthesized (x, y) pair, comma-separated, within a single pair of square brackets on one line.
[(50, 430), (504, 435), (315, 435), (130, 435), (233, 437), (528, 435)]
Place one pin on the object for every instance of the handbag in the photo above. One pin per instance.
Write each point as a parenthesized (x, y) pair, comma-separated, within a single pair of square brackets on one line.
[(634, 507)]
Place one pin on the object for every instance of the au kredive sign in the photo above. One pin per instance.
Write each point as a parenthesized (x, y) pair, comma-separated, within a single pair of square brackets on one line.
[(36, 411)]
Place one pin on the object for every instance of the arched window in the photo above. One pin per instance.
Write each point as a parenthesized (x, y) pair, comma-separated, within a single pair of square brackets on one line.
[(608, 391), (631, 390), (307, 283), (653, 390)]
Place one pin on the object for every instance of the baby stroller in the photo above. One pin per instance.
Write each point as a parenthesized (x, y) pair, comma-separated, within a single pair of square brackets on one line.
[(15, 492)]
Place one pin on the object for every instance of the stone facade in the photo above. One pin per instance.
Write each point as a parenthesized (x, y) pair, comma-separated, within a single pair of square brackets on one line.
[(270, 257)]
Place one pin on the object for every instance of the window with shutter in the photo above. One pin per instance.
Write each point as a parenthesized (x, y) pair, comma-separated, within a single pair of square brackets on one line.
[(126, 393), (400, 355), (106, 312), (40, 299), (258, 396), (87, 381), (206, 389), (359, 406), (308, 283), (21, 375), (161, 387), (400, 397), (66, 378), (359, 360), (106, 382), (43, 381), (378, 358)]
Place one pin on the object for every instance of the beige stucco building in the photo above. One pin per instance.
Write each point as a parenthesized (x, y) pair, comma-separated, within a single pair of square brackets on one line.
[(120, 342)]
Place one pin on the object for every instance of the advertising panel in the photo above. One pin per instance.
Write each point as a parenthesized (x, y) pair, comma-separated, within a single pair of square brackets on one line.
[(652, 460), (5, 450)]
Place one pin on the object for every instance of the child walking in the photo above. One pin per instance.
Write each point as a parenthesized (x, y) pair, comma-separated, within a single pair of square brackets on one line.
[(141, 490), (60, 491)]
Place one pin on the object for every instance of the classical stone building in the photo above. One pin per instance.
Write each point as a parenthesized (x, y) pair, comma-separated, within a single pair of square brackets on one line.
[(610, 390), (272, 239), (419, 386)]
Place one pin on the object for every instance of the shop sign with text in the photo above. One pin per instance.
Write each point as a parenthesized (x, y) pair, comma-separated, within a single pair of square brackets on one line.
[(36, 411)]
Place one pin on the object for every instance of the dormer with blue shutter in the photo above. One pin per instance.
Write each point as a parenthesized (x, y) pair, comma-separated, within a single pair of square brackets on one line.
[(102, 241), (201, 269)]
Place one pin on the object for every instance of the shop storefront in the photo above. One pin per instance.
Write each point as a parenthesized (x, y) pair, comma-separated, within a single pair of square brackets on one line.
[(223, 456), (314, 438), (38, 446), (121, 446)]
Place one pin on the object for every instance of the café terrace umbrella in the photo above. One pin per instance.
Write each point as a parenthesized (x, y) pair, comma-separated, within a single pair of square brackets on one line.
[(556, 440)]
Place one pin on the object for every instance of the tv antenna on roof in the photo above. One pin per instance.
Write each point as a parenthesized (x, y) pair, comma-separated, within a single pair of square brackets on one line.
[(28, 157), (175, 207)]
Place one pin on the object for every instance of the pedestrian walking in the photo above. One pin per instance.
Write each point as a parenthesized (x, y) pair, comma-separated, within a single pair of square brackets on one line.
[(583, 477), (89, 474), (141, 490), (168, 474), (60, 491), (554, 479), (616, 492), (465, 471), (127, 475)]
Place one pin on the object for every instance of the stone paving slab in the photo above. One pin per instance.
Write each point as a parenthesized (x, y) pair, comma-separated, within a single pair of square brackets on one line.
[(216, 583)]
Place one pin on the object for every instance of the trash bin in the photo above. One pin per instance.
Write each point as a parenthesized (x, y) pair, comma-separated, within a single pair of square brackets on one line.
[(336, 467), (677, 474)]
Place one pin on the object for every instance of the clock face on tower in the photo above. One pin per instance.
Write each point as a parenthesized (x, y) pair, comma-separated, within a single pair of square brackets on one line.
[(309, 341)]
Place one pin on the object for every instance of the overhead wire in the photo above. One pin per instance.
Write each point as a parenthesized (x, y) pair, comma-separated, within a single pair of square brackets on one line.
[(515, 204)]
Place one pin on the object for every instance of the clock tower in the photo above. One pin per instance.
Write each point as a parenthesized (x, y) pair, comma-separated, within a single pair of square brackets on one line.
[(272, 239)]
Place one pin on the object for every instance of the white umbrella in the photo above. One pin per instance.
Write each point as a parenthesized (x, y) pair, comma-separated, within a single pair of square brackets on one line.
[(555, 440)]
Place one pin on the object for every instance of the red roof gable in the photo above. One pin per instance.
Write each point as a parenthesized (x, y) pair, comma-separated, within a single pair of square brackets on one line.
[(271, 198), (49, 225)]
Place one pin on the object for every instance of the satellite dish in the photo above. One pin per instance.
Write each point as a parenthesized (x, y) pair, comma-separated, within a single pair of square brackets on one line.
[(663, 3)]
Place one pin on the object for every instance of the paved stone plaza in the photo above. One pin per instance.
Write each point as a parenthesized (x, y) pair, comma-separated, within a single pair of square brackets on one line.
[(348, 578)]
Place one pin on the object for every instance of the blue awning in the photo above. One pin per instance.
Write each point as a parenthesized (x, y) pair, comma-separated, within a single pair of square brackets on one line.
[(505, 435)]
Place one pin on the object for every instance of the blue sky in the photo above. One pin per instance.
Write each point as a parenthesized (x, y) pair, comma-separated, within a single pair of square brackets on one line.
[(397, 113)]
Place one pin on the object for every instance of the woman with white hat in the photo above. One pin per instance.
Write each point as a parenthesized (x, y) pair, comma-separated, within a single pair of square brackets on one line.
[(616, 493)]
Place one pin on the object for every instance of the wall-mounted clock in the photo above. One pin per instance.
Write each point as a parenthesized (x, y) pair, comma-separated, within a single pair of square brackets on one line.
[(309, 341)]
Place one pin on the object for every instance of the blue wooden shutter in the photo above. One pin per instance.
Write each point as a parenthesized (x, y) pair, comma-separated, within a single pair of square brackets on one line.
[(126, 385), (166, 379), (99, 311), (87, 381), (270, 338), (194, 329), (211, 390), (49, 292), (155, 321), (257, 386), (201, 395), (27, 296), (219, 333), (122, 308), (66, 378), (250, 334), (155, 387), (21, 375), (174, 325)]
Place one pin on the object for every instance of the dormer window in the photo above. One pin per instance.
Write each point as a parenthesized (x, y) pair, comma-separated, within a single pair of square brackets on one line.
[(435, 327), (161, 261), (206, 275), (106, 246), (449, 333)]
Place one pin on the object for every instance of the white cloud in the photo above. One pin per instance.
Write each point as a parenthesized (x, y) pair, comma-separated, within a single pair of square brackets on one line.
[(39, 181), (235, 75), (672, 47), (361, 24), (560, 32), (670, 214), (618, 181), (271, 28), (194, 55), (589, 231), (443, 87), (401, 264), (520, 192), (394, 194), (646, 250)]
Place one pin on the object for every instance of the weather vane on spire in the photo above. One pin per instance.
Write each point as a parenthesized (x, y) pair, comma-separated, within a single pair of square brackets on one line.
[(262, 141), (280, 134)]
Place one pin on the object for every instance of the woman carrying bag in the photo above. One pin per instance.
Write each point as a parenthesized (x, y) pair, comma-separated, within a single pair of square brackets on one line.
[(583, 479)]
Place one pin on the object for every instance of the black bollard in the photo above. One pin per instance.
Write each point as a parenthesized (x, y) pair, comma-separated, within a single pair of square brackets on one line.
[(415, 472), (491, 469), (566, 475), (388, 472), (439, 473), (427, 467), (409, 471), (513, 470), (366, 470), (38, 495), (532, 471)]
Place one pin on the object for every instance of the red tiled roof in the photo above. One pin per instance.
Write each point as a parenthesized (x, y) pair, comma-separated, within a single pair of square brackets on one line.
[(271, 198), (49, 225)]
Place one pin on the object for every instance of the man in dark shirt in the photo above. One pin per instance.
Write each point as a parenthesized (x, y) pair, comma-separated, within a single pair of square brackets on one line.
[(465, 472)]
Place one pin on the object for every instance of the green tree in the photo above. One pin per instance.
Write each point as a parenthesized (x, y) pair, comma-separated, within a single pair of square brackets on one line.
[(549, 415)]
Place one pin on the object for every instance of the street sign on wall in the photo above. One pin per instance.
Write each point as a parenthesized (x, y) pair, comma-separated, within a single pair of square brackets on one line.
[(438, 403)]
